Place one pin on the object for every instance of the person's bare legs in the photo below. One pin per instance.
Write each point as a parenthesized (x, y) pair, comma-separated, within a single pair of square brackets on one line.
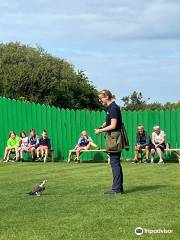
[(77, 154), (21, 154), (78, 151), (91, 144), (147, 152), (33, 153), (7, 153), (45, 154), (159, 151), (42, 153), (152, 155), (17, 154), (136, 152), (37, 152)]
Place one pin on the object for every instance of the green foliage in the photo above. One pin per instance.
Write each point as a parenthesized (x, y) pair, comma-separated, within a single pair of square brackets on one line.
[(34, 75), (136, 102)]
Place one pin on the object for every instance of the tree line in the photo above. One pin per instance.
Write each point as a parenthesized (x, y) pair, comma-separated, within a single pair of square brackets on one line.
[(136, 102), (31, 74)]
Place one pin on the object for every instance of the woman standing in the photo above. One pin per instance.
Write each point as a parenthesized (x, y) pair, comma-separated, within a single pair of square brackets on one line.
[(112, 127)]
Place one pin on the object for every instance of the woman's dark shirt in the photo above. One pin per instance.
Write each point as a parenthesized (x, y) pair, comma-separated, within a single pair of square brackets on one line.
[(114, 112)]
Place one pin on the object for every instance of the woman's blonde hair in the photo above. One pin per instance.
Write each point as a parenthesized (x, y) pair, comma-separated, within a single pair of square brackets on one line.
[(156, 127), (106, 93)]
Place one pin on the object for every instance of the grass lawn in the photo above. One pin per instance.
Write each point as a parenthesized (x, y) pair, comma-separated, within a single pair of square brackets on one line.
[(74, 206)]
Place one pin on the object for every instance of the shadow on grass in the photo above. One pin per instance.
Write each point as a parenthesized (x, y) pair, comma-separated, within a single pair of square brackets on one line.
[(144, 188)]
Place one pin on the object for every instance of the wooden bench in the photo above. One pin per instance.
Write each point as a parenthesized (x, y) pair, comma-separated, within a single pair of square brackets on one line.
[(50, 155), (176, 151), (93, 150)]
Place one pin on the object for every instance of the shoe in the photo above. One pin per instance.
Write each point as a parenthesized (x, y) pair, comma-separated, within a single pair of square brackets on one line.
[(4, 160), (38, 159), (161, 162), (148, 161), (17, 160), (135, 161), (112, 192), (77, 161)]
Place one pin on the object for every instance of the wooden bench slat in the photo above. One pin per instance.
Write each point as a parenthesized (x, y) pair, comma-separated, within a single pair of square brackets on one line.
[(88, 150), (98, 150), (173, 149)]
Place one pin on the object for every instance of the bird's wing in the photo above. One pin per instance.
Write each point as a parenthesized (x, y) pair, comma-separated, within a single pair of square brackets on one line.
[(36, 189)]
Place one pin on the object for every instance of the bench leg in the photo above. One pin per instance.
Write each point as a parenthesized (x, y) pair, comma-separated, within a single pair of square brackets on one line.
[(52, 156), (178, 155), (108, 158), (69, 157)]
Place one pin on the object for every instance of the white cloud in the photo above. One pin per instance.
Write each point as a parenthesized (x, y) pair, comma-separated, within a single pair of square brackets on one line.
[(125, 43)]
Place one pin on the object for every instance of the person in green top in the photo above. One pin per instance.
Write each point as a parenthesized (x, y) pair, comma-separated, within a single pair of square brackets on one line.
[(12, 146)]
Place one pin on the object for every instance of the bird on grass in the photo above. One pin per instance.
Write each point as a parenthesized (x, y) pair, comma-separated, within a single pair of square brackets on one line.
[(38, 189)]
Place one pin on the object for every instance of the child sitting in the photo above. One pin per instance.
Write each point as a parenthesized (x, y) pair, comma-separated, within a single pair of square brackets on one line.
[(24, 144), (44, 146), (33, 143), (12, 146), (84, 143)]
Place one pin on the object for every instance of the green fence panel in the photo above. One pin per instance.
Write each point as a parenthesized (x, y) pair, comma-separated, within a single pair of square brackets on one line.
[(167, 125), (64, 127), (68, 131), (53, 136), (77, 126), (73, 131), (60, 136), (173, 128), (177, 128), (146, 120), (2, 144), (162, 119)]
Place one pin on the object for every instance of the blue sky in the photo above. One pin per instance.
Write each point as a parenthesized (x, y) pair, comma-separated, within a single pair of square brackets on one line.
[(122, 45)]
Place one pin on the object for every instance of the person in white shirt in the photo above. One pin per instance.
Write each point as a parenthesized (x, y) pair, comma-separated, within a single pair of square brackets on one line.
[(158, 141), (24, 144)]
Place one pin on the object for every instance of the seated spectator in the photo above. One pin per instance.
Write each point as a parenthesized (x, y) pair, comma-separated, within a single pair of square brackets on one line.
[(143, 141), (44, 146), (12, 146), (84, 143), (158, 144), (33, 143), (24, 144)]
